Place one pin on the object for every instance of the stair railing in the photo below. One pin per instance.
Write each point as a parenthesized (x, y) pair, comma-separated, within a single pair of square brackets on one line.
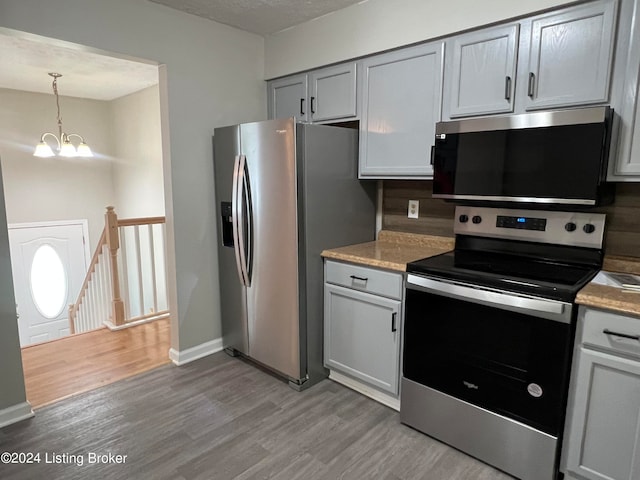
[(125, 283)]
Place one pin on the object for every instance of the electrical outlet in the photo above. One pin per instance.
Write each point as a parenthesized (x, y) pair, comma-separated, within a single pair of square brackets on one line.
[(414, 207)]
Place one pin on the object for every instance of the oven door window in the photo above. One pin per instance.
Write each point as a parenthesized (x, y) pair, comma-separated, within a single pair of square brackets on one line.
[(509, 363)]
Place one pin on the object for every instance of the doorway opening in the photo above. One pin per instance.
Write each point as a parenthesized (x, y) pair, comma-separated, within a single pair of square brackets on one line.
[(115, 103)]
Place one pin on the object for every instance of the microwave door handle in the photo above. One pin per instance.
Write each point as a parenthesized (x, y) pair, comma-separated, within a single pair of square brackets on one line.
[(485, 297), (235, 217)]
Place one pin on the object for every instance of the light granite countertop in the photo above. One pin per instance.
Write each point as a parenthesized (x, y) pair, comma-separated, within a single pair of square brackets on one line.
[(612, 298), (392, 250)]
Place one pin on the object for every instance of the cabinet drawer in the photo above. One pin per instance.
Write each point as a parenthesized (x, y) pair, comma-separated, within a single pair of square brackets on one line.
[(365, 279), (612, 332)]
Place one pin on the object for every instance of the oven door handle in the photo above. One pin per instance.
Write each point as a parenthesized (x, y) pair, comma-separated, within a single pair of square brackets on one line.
[(509, 301)]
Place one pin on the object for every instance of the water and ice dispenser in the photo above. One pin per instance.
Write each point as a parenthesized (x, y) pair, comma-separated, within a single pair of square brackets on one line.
[(227, 225)]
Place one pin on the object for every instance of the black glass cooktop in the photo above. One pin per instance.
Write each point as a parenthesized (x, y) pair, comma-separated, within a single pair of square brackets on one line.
[(541, 276)]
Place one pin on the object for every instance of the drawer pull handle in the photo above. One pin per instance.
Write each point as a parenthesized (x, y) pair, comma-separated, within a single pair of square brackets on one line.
[(362, 279), (393, 321), (606, 331)]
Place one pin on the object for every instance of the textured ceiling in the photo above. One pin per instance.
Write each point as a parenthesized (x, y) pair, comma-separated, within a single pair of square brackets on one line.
[(24, 64), (259, 16), (25, 61)]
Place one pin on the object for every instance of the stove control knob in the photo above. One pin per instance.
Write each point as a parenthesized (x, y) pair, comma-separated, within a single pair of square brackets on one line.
[(476, 219), (570, 226), (589, 228), (463, 218)]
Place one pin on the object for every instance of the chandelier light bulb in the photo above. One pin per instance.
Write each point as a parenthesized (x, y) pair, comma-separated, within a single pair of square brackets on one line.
[(43, 150), (67, 149), (84, 150)]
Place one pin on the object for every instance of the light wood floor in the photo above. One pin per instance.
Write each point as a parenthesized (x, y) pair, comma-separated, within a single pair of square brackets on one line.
[(221, 418), (78, 363)]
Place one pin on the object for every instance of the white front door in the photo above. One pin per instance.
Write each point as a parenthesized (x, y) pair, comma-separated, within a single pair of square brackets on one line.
[(49, 262)]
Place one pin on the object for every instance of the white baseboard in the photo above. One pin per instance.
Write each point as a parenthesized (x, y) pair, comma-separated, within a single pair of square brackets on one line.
[(16, 413), (111, 326), (181, 357), (384, 398)]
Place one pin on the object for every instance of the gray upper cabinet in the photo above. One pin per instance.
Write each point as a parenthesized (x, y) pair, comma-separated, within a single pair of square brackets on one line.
[(569, 56), (401, 98), (288, 97), (324, 95), (481, 72), (332, 93), (626, 165)]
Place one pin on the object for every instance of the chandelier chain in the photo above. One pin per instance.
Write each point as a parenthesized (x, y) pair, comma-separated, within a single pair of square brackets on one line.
[(55, 92)]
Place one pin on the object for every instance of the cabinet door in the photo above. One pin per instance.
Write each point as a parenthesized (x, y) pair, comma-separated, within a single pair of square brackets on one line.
[(627, 161), (362, 336), (604, 436), (333, 93), (570, 57), (288, 98), (401, 103), (482, 72)]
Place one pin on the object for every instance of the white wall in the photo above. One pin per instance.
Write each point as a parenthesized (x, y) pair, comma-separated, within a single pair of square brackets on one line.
[(137, 143), (376, 25), (214, 76), (48, 189)]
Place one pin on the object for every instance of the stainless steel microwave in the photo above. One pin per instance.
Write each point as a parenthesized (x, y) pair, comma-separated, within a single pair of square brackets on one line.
[(555, 157)]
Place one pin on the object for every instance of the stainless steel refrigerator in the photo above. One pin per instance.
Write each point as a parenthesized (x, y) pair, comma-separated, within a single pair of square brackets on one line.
[(284, 192)]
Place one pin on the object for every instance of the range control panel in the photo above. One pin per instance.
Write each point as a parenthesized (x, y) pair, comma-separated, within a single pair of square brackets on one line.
[(522, 223), (578, 229)]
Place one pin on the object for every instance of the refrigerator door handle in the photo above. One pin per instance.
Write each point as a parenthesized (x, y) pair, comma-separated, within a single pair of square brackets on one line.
[(244, 219), (235, 216)]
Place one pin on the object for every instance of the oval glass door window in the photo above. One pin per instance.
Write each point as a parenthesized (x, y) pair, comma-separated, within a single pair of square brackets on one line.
[(48, 282)]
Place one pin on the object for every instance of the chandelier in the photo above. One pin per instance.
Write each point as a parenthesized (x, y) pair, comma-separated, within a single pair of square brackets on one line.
[(64, 146)]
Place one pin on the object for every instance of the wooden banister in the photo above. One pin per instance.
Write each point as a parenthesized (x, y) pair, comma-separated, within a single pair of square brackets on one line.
[(100, 301), (130, 222), (113, 242)]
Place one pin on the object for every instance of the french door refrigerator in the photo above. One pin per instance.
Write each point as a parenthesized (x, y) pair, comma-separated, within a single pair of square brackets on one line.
[(285, 191)]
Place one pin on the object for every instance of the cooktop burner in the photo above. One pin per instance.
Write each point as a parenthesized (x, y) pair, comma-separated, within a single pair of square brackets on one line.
[(549, 254), (546, 278)]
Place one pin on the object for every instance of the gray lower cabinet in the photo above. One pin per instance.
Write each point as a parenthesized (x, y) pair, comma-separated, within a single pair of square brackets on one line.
[(362, 330), (401, 97), (323, 95), (603, 437)]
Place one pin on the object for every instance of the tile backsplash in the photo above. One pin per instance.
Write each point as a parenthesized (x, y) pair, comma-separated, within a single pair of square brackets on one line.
[(436, 216)]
